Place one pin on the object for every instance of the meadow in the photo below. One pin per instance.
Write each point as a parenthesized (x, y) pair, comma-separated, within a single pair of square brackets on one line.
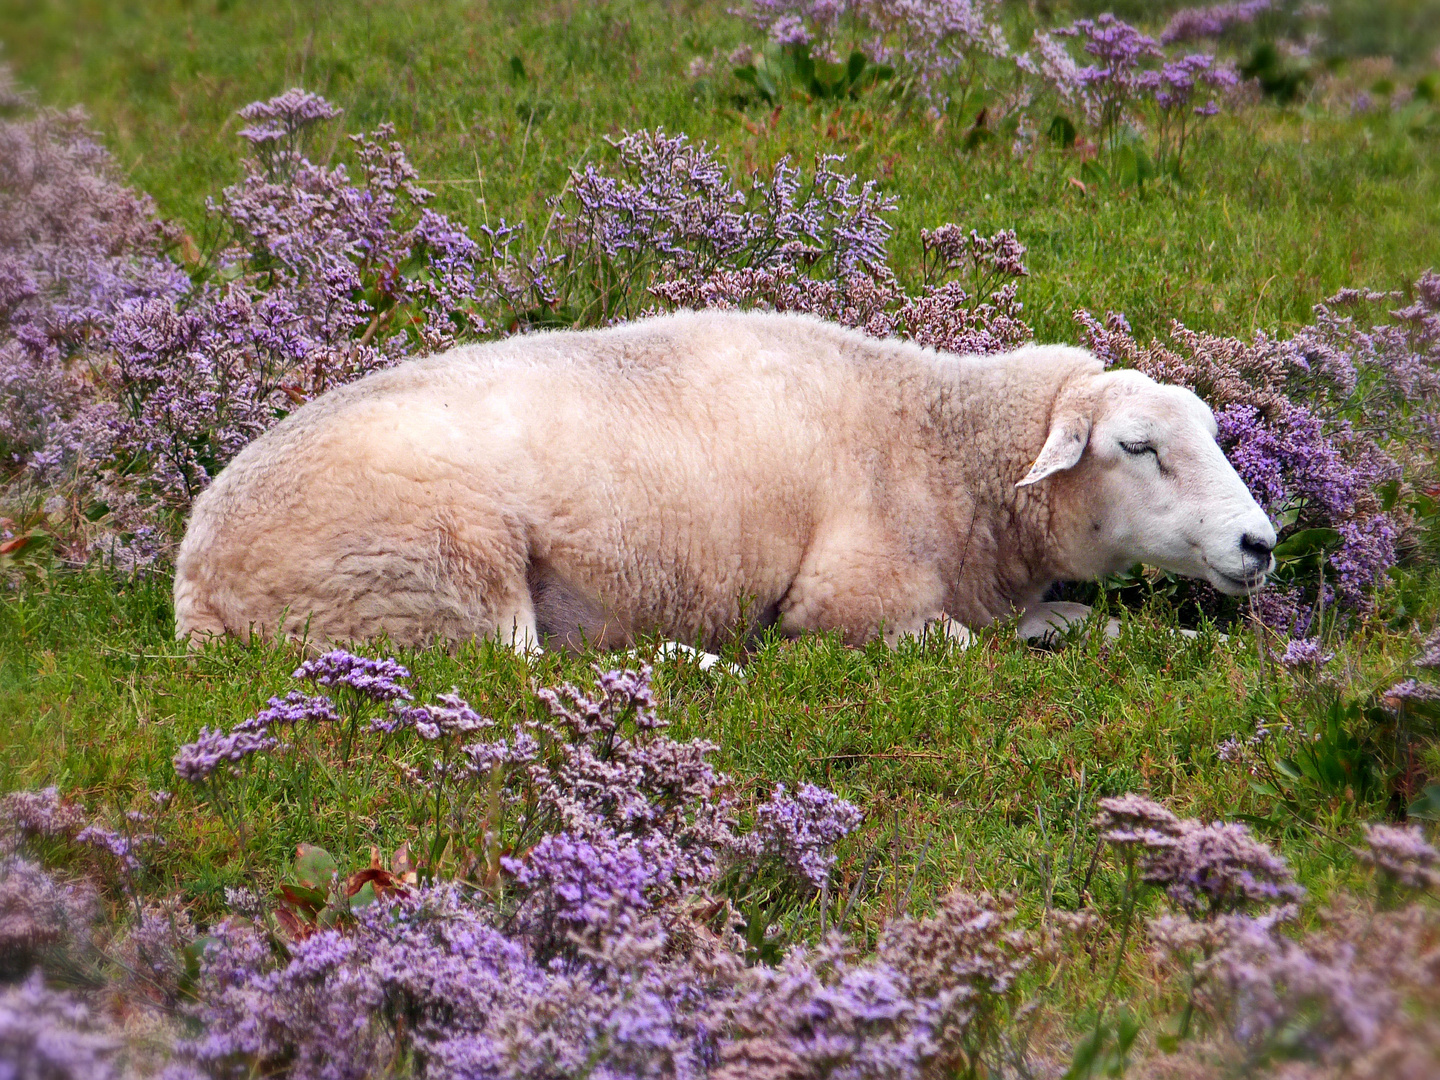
[(984, 769)]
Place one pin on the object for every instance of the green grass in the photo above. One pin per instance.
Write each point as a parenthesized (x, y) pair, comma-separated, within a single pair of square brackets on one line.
[(1277, 209), (992, 756), (979, 767)]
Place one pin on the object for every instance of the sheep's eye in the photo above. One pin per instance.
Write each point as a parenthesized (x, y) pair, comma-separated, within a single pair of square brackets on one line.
[(1138, 448)]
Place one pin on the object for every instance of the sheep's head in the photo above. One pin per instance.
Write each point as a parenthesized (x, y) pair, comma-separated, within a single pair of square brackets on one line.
[(1141, 479)]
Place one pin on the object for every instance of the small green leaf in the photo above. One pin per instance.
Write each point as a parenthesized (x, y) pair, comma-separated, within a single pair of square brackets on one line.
[(364, 895), (1289, 768), (1306, 542), (1427, 806), (315, 868), (1062, 131)]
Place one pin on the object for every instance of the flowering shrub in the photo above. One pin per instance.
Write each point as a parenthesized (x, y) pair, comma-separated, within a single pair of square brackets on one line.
[(933, 44), (76, 247), (1336, 994), (1200, 23), (578, 964)]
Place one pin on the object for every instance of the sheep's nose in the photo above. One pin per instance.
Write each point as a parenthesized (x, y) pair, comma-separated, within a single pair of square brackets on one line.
[(1253, 545)]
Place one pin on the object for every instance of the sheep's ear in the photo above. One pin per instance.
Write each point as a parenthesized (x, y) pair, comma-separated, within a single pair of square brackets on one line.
[(1064, 445)]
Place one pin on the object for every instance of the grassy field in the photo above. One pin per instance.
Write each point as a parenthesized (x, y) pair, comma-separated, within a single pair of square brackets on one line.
[(979, 766), (1279, 208)]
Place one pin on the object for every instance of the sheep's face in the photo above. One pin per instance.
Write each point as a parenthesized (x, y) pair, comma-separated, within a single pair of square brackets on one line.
[(1152, 485)]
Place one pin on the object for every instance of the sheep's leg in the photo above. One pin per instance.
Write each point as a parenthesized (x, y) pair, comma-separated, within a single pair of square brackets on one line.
[(862, 590), (517, 629), (1048, 623)]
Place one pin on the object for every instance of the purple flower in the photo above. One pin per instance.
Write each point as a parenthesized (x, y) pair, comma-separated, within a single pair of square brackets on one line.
[(1412, 690), (55, 1035), (40, 918), (1305, 653), (1401, 854), (26, 814), (377, 680), (1133, 819), (293, 708), (124, 847), (1198, 23), (802, 830), (195, 761)]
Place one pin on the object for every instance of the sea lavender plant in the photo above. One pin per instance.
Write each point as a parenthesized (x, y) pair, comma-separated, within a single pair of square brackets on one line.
[(43, 922), (1173, 88), (936, 45), (55, 1035), (1207, 870), (1114, 77), (801, 830), (674, 213), (1304, 654), (1214, 22), (75, 246), (1401, 856), (984, 318), (43, 814)]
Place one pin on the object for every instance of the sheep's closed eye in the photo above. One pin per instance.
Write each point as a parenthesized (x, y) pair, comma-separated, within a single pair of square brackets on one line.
[(1138, 448)]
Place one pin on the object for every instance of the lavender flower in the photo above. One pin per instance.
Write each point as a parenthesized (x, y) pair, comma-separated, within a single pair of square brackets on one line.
[(1429, 657), (195, 761), (1401, 854), (45, 1033), (1198, 23), (375, 680), (1126, 820), (293, 708), (1220, 867), (27, 814), (1305, 654), (123, 847), (1412, 690), (451, 716), (801, 830), (937, 42), (153, 951), (41, 919), (1113, 79)]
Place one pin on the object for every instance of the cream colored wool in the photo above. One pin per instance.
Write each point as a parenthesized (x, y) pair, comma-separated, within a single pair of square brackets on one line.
[(703, 474)]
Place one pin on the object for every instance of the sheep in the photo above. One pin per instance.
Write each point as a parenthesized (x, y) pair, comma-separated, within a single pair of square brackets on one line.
[(703, 476)]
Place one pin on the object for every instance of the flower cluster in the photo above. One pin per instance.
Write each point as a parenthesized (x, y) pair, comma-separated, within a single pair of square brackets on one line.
[(1205, 869), (1200, 23), (51, 1033), (29, 814), (1304, 654), (933, 43), (375, 680), (670, 211), (802, 829), (76, 246), (40, 917), (196, 761), (1402, 855), (973, 316)]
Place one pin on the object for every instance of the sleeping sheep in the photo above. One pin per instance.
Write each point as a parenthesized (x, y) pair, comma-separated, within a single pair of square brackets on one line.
[(708, 474)]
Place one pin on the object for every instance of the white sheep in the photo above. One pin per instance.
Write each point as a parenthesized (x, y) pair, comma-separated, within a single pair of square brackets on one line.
[(707, 474)]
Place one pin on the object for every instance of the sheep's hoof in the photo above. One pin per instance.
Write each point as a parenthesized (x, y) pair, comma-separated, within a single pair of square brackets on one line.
[(705, 661), (954, 631), (1047, 624)]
